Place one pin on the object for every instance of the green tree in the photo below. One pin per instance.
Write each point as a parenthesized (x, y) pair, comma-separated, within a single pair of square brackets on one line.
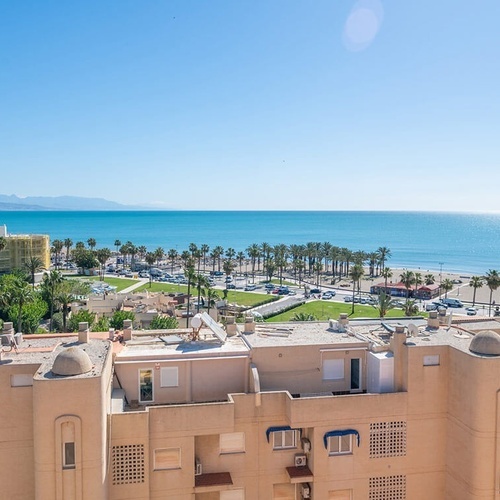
[(429, 279), (85, 259), (82, 316), (384, 304), (172, 257), (446, 286), (91, 242), (410, 307), (101, 325), (159, 253), (32, 313), (492, 280), (200, 282), (32, 265), (163, 323), (50, 287), (102, 255), (408, 279), (3, 243), (118, 244), (119, 317), (190, 276), (356, 273), (269, 267), (68, 243), (212, 297), (475, 282), (386, 274), (15, 293), (383, 255), (418, 280), (63, 299), (150, 260), (57, 246)]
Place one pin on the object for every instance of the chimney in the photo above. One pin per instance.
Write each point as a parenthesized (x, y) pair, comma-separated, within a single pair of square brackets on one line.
[(249, 324), (231, 328), (398, 341), (83, 332), (433, 321), (127, 329), (343, 322)]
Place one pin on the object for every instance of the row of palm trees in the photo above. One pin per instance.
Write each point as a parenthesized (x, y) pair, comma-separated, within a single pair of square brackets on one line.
[(312, 258)]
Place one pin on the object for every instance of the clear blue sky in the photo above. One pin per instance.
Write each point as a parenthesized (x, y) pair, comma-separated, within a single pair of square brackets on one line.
[(258, 104)]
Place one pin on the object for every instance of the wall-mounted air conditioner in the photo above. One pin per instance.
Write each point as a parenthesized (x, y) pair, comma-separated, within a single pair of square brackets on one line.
[(198, 469), (305, 490), (300, 460), (306, 445)]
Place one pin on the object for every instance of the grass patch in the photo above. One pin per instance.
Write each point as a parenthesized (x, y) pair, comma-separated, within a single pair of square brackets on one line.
[(323, 311), (120, 283), (246, 299)]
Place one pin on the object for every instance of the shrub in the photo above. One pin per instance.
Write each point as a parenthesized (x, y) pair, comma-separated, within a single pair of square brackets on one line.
[(119, 317), (164, 323), (80, 316)]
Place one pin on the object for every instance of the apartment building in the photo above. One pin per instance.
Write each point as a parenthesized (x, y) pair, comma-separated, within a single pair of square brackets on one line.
[(20, 247), (338, 410)]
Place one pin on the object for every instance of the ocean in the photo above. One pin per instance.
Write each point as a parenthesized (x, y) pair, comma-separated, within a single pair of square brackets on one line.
[(463, 243)]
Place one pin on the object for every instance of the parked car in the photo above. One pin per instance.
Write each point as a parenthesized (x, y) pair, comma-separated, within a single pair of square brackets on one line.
[(250, 288), (347, 298), (269, 286), (328, 295), (431, 307), (452, 302), (315, 290), (230, 286), (471, 311)]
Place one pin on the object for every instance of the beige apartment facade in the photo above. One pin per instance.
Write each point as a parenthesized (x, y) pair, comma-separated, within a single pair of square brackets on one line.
[(300, 410), (21, 247)]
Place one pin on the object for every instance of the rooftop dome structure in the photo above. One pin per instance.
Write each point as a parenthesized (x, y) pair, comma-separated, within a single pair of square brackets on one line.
[(486, 343), (72, 361)]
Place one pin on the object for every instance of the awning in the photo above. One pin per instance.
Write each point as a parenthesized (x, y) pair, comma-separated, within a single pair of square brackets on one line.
[(280, 428), (344, 432)]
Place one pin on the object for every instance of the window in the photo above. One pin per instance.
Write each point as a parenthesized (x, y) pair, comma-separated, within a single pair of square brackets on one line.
[(145, 385), (69, 456), (170, 377), (167, 458), (283, 440), (238, 494), (340, 445), (431, 360), (333, 369), (233, 442), (21, 380)]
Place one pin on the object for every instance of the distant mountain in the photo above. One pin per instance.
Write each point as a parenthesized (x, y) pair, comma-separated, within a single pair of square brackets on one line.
[(13, 202)]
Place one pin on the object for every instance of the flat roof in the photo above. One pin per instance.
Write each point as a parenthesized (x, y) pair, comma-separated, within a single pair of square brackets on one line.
[(43, 349), (156, 347)]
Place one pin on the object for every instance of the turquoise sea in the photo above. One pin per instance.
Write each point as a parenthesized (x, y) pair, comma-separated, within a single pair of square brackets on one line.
[(462, 242)]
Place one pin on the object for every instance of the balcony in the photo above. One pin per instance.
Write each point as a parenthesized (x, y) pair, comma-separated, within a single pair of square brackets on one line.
[(213, 481)]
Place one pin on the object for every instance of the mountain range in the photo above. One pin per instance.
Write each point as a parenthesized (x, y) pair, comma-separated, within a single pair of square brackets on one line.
[(36, 203)]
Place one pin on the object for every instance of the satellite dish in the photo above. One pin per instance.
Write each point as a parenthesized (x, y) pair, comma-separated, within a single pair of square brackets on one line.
[(196, 321)]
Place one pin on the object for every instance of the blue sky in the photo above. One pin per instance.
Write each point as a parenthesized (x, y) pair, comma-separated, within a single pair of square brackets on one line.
[(261, 104)]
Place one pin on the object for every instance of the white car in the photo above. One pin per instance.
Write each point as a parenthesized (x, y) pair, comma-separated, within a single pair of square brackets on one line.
[(471, 311)]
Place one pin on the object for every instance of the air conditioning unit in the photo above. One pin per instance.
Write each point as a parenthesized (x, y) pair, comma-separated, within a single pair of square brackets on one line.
[(306, 445), (198, 469), (300, 460), (305, 490)]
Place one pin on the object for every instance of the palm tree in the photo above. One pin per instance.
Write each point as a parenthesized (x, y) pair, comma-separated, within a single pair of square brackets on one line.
[(68, 243), (355, 274), (57, 246), (159, 253), (172, 257), (204, 248), (200, 282), (64, 298), (407, 278), (384, 303), (253, 253), (240, 257), (91, 242), (417, 282), (217, 253), (102, 256), (383, 254), (429, 279), (193, 249), (386, 273), (33, 264), (150, 260), (50, 284), (492, 279), (475, 282), (446, 286), (212, 298), (118, 244), (190, 276)]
